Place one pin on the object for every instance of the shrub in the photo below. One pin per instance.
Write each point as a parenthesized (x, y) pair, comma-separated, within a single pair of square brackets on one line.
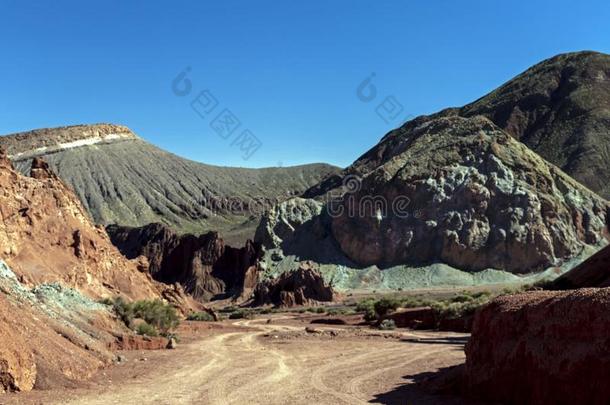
[(160, 315), (452, 309), (368, 307), (123, 310), (320, 310), (106, 301), (146, 329), (200, 316), (365, 305), (413, 302), (385, 305), (462, 298), (370, 315), (387, 324), (241, 314)]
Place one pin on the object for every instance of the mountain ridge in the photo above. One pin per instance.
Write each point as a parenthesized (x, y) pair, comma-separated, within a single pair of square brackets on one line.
[(122, 179)]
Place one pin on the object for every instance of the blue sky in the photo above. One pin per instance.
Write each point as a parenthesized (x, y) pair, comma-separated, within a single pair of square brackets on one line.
[(287, 70)]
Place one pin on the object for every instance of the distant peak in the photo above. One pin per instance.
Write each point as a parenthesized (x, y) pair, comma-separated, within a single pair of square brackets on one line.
[(25, 145)]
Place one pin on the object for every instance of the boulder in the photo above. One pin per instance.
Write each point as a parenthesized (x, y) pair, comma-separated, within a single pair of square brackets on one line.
[(542, 348), (171, 343), (304, 286)]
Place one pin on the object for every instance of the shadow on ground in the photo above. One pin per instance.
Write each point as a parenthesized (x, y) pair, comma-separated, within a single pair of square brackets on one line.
[(430, 388)]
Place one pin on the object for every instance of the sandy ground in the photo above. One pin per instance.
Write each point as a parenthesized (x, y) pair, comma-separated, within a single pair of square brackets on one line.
[(255, 362)]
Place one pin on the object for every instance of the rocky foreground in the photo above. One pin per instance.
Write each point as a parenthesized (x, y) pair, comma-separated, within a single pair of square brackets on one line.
[(542, 348)]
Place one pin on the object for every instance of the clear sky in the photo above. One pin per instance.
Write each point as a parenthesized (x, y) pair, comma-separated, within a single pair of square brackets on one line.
[(288, 70)]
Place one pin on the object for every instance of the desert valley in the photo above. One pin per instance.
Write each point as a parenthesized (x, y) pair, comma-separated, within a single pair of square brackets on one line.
[(462, 259), (304, 202)]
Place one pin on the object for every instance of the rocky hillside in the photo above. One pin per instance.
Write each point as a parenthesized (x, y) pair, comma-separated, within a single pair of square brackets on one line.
[(203, 265), (46, 236), (455, 190), (122, 179), (54, 265), (560, 108)]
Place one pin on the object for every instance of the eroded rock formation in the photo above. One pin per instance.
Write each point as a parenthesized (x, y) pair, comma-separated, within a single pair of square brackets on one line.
[(204, 265), (304, 286), (542, 348), (47, 236)]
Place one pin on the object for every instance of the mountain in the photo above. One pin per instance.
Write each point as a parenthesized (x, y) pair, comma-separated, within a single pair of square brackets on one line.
[(480, 183), (560, 108), (40, 214), (122, 179), (454, 190)]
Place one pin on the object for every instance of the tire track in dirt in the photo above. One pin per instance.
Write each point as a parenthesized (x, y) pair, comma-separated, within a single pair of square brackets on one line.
[(355, 385), (352, 363), (235, 367)]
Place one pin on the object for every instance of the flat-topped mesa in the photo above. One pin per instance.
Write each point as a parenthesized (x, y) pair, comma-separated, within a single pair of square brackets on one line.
[(38, 142)]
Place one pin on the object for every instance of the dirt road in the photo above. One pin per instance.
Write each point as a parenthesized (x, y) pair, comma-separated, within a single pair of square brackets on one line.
[(253, 362)]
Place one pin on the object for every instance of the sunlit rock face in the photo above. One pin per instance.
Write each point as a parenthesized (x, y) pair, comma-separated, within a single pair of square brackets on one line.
[(464, 192)]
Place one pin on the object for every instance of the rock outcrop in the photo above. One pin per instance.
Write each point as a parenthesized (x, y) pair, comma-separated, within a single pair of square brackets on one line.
[(304, 286), (17, 366), (54, 265), (121, 179), (593, 272), (541, 348), (203, 265), (46, 236)]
